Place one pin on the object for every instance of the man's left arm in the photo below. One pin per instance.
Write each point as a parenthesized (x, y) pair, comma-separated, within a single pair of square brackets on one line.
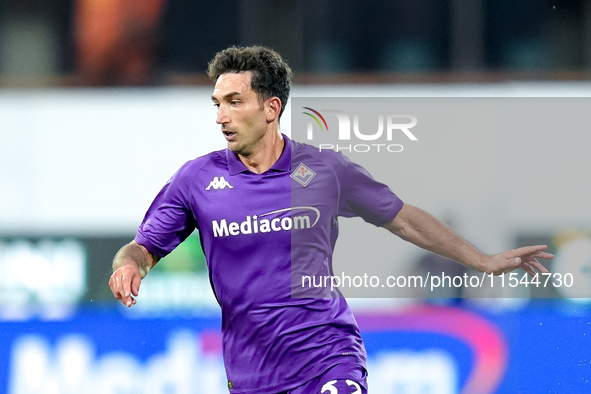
[(420, 228)]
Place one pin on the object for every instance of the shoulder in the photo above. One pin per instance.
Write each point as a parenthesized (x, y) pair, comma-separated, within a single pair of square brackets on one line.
[(337, 161), (343, 168), (328, 156), (193, 167)]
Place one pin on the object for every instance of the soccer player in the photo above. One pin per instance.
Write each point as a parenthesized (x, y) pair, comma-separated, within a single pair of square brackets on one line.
[(266, 209)]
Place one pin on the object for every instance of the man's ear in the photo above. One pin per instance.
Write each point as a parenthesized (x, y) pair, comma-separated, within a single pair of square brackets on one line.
[(272, 109)]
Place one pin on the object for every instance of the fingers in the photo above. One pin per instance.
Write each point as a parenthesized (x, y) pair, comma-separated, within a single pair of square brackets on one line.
[(536, 264), (543, 255), (135, 285), (528, 268), (526, 256), (528, 250), (117, 287), (124, 283)]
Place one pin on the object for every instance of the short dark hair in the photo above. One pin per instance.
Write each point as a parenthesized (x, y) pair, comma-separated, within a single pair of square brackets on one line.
[(271, 76)]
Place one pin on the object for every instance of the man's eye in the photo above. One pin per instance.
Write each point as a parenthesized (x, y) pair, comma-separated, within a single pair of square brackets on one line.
[(235, 102), (216, 105)]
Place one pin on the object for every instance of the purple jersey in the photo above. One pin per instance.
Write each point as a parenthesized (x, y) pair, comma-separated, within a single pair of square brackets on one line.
[(252, 226)]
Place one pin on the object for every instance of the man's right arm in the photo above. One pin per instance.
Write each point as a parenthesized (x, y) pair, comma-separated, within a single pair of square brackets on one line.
[(130, 265)]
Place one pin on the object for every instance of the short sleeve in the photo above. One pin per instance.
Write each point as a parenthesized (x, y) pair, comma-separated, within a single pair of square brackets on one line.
[(361, 195), (169, 220)]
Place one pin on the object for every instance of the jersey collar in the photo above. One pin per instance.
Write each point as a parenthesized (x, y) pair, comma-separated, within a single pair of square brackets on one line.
[(283, 164)]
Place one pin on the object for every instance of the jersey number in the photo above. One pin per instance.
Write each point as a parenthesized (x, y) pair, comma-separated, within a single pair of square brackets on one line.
[(329, 386)]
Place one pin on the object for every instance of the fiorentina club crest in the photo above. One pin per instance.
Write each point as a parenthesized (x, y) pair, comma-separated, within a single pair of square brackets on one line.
[(303, 175)]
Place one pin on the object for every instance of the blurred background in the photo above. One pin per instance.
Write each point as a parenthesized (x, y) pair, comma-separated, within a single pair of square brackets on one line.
[(102, 100), (160, 42)]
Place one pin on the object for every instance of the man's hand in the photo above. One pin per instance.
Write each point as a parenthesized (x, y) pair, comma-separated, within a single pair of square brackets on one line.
[(131, 263), (125, 283), (524, 258)]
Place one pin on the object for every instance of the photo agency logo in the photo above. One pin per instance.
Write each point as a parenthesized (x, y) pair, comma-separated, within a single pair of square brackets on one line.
[(390, 128)]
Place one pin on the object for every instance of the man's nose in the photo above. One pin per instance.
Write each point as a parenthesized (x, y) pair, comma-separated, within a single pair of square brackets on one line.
[(222, 116)]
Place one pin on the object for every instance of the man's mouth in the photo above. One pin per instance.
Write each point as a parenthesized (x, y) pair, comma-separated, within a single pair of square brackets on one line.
[(230, 135)]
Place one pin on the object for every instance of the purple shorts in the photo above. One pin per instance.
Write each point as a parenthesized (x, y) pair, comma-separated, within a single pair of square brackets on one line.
[(340, 379)]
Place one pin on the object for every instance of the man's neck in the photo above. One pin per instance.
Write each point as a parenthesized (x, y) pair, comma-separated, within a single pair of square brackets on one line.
[(267, 154)]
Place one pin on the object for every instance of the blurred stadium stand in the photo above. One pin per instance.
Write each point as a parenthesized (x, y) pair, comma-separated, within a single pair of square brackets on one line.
[(116, 42)]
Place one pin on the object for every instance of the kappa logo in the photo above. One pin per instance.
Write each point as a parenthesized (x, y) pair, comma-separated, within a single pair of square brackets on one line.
[(303, 175), (219, 183)]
